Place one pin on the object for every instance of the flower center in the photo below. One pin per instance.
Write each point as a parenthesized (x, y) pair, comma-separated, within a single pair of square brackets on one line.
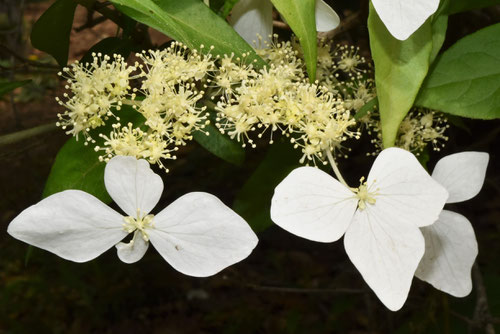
[(364, 195), (141, 223)]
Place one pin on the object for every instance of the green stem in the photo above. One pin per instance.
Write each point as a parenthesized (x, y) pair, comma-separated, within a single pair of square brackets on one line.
[(335, 168), (25, 134)]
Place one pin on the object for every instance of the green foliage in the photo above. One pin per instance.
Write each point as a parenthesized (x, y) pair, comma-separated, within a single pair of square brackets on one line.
[(439, 27), (110, 46), (465, 80), (220, 145), (457, 6), (7, 86), (400, 68), (254, 199), (77, 167), (52, 30), (300, 16), (190, 22), (226, 8)]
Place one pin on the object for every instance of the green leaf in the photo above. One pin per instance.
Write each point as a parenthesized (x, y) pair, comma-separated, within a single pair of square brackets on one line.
[(254, 199), (465, 80), (220, 145), (6, 87), (52, 30), (109, 46), (457, 6), (439, 27), (190, 22), (300, 16), (228, 6), (77, 167), (400, 68)]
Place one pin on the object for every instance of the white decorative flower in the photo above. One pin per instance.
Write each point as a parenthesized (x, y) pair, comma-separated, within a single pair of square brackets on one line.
[(380, 219), (255, 17), (197, 234), (450, 243), (403, 17)]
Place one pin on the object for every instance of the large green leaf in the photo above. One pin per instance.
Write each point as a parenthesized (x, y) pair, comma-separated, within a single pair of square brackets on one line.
[(8, 86), (220, 145), (190, 22), (300, 16), (465, 80), (77, 167), (400, 68), (457, 6), (52, 30), (439, 27), (254, 199)]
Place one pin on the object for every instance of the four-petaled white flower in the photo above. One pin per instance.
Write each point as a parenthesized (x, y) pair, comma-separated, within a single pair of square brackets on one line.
[(255, 17), (403, 17), (450, 243), (197, 234), (380, 219)]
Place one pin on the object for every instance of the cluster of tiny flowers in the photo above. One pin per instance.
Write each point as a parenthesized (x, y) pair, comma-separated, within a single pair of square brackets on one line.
[(98, 89), (168, 82), (418, 129), (279, 99)]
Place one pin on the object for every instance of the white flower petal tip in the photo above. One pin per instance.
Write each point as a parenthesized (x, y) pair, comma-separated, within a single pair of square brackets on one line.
[(450, 251), (134, 250), (405, 189), (402, 17), (251, 18), (313, 205), (200, 236), (132, 184), (326, 18), (71, 224), (386, 250), (462, 174)]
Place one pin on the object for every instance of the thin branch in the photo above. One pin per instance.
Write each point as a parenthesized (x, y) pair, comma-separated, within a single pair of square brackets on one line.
[(482, 315), (29, 62), (303, 290), (15, 137)]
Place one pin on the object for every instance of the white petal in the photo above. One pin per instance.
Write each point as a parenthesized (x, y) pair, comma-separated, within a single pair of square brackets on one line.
[(326, 18), (132, 184), (252, 17), (71, 224), (403, 17), (133, 250), (405, 188), (462, 174), (386, 251), (199, 235), (313, 205), (450, 251)]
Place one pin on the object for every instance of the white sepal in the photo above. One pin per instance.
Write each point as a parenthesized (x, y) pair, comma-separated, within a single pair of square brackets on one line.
[(462, 174), (386, 250), (251, 18), (199, 235), (313, 205), (403, 17), (132, 185), (450, 251), (71, 224), (405, 189), (133, 250), (326, 18)]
